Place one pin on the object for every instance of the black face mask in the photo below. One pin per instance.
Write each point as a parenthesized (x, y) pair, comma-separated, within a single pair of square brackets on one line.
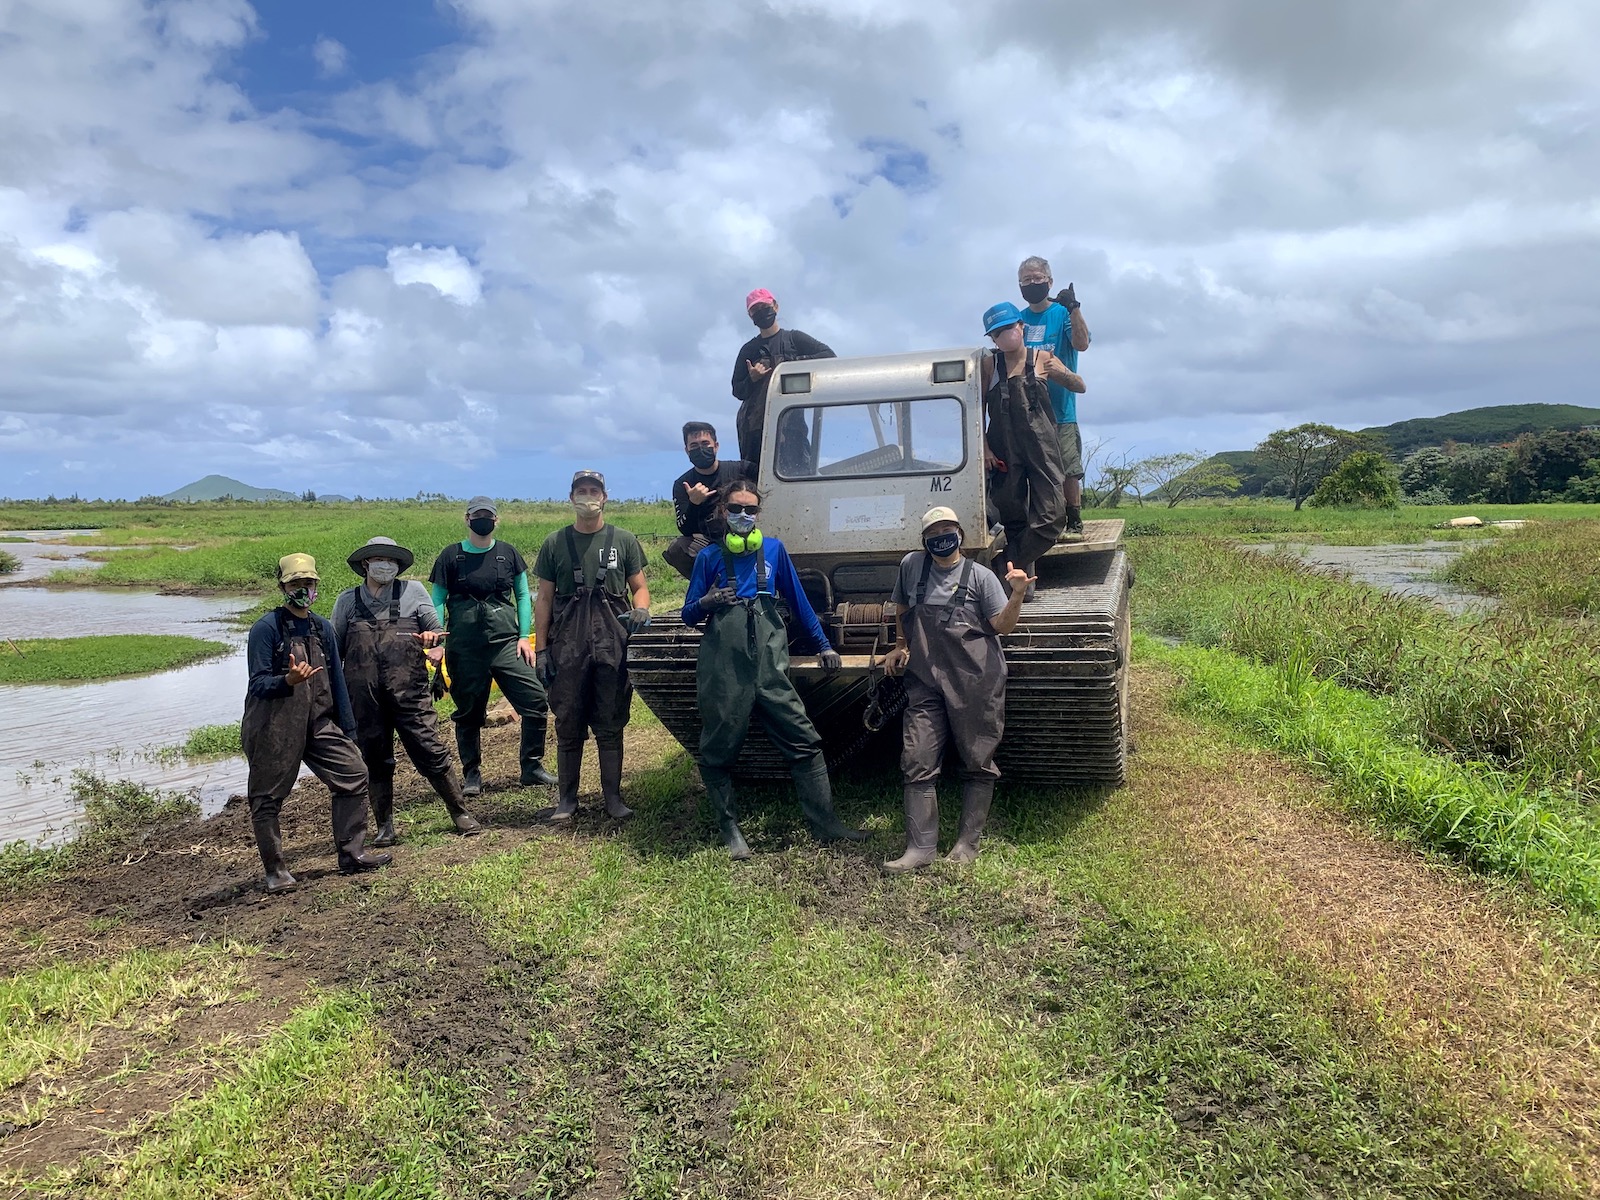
[(1035, 292), (763, 315), (482, 526), (704, 457), (943, 545)]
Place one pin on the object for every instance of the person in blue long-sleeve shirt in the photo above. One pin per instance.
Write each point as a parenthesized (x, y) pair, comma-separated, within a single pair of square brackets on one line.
[(743, 665), (296, 709)]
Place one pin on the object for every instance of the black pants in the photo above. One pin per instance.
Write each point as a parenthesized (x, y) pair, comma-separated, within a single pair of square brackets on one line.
[(682, 551)]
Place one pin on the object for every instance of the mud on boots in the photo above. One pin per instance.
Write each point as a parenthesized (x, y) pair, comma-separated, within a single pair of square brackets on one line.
[(1022, 445), (950, 615), (297, 710), (481, 587), (388, 631), (592, 599), (743, 665)]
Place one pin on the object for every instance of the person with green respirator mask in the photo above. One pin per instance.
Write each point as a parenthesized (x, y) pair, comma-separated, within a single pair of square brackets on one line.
[(743, 665), (481, 586)]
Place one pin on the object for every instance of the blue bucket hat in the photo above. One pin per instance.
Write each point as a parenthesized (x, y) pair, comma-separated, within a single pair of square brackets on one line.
[(1001, 315)]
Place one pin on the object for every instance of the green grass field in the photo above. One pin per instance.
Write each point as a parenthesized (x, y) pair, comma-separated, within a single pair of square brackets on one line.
[(112, 656), (1335, 937)]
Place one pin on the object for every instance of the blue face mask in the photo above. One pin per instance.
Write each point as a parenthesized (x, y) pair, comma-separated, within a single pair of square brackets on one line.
[(943, 545), (741, 523)]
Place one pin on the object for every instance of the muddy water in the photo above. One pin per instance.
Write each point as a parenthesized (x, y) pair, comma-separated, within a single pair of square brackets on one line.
[(53, 729), (41, 557), (1403, 570)]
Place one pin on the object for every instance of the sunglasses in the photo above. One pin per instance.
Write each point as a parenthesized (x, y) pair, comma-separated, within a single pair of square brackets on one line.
[(750, 509)]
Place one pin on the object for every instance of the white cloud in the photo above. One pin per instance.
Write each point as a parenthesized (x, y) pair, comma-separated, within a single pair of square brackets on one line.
[(331, 57), (537, 242)]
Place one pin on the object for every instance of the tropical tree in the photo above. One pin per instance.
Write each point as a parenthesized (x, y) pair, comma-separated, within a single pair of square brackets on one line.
[(1186, 476), (1364, 480), (1304, 456)]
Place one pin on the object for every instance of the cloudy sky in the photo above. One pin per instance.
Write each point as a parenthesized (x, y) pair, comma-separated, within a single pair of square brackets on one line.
[(458, 246)]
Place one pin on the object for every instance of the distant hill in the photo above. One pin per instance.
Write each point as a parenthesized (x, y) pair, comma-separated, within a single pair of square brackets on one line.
[(1483, 426), (220, 487)]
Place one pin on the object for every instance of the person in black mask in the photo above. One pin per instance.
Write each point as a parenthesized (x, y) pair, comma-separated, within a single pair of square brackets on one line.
[(695, 494), (753, 369), (1058, 326), (950, 615)]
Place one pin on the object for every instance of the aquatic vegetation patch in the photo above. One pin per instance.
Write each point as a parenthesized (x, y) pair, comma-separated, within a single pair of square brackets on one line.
[(213, 741), (118, 815), (1545, 570), (81, 659), (9, 562)]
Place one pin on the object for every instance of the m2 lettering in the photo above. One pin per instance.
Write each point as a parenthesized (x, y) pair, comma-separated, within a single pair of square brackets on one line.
[(939, 483)]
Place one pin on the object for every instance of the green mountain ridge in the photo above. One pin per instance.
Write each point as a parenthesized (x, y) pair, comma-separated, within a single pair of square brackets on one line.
[(221, 487)]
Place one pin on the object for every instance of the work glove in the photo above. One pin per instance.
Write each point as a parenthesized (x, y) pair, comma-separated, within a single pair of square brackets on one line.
[(1067, 298), (636, 620), (717, 599), (544, 666), (829, 659), (437, 688)]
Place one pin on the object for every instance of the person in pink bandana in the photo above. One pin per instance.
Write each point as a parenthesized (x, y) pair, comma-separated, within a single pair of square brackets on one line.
[(753, 368)]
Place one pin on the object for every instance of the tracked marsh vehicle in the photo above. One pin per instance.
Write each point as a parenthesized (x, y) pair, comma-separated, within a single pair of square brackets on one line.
[(854, 451)]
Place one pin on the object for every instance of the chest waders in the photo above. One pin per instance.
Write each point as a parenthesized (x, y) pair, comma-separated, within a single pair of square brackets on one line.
[(589, 649), (1028, 495), (481, 650), (386, 674), (743, 669), (280, 733), (955, 692)]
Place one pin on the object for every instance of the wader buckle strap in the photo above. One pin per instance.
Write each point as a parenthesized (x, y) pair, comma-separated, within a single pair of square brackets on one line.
[(580, 573)]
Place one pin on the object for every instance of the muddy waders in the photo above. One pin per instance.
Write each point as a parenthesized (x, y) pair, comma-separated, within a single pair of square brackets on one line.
[(482, 649), (1028, 495), (743, 665), (279, 734), (386, 674), (955, 691), (589, 649)]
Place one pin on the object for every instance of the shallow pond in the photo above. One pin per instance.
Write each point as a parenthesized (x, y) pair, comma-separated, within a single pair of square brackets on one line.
[(40, 555), (1403, 570), (112, 727)]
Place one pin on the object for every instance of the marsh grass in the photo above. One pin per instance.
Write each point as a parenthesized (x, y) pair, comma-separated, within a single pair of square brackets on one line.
[(61, 660), (1506, 689), (213, 741), (118, 815), (9, 562), (1489, 820), (1548, 570)]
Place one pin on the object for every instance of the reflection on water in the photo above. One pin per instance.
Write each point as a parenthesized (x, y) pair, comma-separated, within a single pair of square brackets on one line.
[(51, 729), (1402, 570)]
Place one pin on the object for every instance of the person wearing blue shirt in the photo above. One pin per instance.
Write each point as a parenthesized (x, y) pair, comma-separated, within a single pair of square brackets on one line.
[(1058, 326), (297, 710), (743, 665)]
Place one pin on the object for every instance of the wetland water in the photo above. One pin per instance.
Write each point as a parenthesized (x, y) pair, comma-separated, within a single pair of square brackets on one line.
[(53, 729), (1403, 570)]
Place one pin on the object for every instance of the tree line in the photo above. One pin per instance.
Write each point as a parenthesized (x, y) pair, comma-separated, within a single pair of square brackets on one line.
[(1322, 465)]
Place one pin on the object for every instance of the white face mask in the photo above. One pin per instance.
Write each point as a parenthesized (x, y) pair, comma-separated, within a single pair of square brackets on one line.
[(382, 570)]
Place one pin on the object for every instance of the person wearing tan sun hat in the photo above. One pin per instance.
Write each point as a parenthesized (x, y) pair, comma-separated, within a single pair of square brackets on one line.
[(296, 710), (950, 614), (752, 370)]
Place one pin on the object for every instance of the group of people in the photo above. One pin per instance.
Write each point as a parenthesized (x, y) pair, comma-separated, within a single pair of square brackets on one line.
[(335, 694)]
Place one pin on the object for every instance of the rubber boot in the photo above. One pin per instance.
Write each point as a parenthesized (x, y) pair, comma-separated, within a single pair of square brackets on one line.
[(380, 792), (354, 857), (469, 745), (532, 750), (816, 802), (922, 828), (270, 842), (719, 790), (569, 771), (976, 796), (450, 790), (1074, 520), (611, 783)]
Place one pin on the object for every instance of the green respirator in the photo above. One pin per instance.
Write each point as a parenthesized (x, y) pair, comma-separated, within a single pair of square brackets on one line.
[(743, 543)]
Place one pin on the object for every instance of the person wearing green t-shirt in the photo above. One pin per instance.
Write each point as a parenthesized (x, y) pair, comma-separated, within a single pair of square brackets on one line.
[(592, 597), (481, 587)]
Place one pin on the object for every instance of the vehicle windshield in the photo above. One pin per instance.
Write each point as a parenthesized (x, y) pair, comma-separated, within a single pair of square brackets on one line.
[(880, 437)]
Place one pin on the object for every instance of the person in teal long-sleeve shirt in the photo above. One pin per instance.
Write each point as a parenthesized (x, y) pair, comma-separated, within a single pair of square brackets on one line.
[(480, 586)]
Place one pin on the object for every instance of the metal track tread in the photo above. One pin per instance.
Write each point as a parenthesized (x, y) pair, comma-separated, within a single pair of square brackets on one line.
[(1066, 718)]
